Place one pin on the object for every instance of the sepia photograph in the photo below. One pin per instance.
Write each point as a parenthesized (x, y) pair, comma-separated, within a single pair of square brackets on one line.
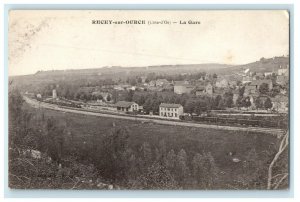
[(149, 99)]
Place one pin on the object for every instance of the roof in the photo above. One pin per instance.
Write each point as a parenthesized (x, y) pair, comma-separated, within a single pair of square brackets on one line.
[(181, 83), (124, 104), (281, 78), (259, 82), (162, 80), (168, 105)]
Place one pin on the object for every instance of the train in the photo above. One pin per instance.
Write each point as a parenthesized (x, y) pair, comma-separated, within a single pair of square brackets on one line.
[(63, 103), (283, 124), (280, 122)]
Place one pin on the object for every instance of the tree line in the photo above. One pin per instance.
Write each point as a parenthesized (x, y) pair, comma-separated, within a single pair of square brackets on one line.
[(108, 157), (78, 163)]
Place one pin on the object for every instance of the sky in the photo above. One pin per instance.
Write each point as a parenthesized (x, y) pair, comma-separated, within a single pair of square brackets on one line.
[(58, 40)]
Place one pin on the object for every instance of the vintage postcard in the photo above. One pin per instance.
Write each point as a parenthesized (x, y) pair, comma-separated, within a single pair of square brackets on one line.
[(149, 99)]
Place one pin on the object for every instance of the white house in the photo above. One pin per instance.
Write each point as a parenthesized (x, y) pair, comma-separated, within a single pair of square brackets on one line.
[(170, 110), (283, 71), (222, 83), (268, 74)]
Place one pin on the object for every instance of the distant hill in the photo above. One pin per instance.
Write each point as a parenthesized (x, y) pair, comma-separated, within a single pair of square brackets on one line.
[(116, 73), (263, 65), (160, 69)]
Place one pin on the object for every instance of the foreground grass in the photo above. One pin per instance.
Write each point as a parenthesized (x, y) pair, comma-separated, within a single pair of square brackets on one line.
[(224, 145)]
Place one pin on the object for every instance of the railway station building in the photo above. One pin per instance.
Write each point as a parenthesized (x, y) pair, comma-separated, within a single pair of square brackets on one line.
[(170, 110), (124, 106)]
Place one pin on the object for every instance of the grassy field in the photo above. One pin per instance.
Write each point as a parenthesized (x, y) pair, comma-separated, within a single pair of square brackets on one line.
[(218, 142)]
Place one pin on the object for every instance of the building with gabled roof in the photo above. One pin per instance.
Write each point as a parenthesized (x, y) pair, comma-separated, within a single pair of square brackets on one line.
[(222, 83), (204, 89), (125, 106), (283, 71), (246, 79)]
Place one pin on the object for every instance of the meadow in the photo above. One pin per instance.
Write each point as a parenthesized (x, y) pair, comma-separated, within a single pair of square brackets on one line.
[(242, 158)]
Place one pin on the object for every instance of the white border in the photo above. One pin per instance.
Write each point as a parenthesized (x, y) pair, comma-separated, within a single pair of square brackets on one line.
[(296, 82)]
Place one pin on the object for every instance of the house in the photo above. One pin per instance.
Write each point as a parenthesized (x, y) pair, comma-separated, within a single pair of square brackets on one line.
[(141, 88), (131, 88), (208, 76), (283, 71), (143, 79), (258, 76), (280, 103), (106, 87), (268, 74), (257, 83), (158, 83), (250, 89), (181, 87), (119, 87), (127, 106), (232, 84), (208, 89), (200, 90), (162, 82), (282, 80), (222, 83), (170, 110), (246, 79), (169, 87)]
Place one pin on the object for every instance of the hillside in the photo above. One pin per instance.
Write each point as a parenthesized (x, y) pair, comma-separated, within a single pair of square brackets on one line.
[(85, 76), (262, 65), (163, 69), (116, 73)]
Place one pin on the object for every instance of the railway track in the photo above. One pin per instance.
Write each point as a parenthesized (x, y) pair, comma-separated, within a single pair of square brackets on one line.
[(272, 131)]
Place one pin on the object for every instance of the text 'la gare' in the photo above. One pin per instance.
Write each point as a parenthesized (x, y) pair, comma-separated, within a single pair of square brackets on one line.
[(192, 22)]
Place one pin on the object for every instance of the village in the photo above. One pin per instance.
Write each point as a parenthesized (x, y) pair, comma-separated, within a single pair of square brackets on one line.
[(176, 97)]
